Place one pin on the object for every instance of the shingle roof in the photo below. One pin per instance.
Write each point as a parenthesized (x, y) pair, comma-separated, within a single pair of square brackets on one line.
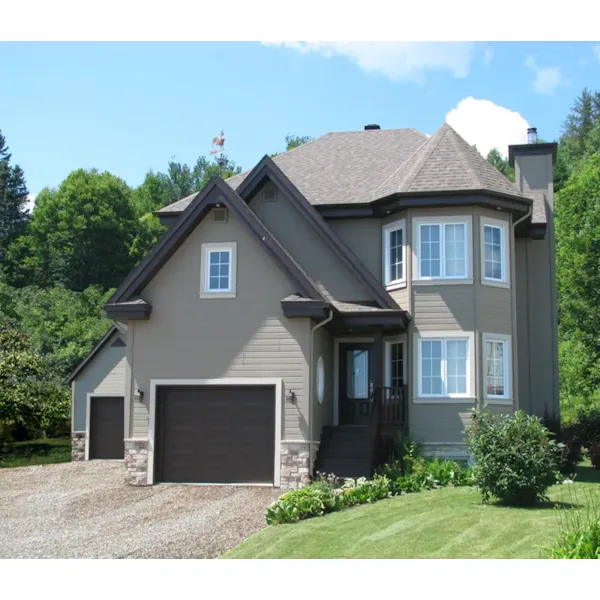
[(446, 163), (538, 214), (338, 168)]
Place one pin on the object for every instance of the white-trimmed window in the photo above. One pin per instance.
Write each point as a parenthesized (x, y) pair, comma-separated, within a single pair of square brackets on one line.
[(394, 254), (320, 380), (395, 364), (443, 248), (445, 368), (218, 277), (494, 255), (496, 366)]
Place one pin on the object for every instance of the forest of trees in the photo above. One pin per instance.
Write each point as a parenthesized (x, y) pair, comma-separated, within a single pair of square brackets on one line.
[(59, 264)]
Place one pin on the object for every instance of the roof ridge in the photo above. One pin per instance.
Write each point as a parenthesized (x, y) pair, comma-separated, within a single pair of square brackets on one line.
[(426, 157)]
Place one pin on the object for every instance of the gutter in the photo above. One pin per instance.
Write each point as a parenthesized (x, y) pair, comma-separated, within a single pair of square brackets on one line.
[(311, 379)]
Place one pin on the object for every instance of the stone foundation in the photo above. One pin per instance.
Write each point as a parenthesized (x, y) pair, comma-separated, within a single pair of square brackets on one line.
[(78, 445), (136, 462), (295, 470)]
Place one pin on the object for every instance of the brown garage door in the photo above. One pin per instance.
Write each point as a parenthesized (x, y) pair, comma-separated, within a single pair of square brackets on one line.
[(215, 434), (106, 427)]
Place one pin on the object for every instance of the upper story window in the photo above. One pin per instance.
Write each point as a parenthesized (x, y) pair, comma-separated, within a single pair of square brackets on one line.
[(218, 277), (443, 248), (494, 259), (394, 254)]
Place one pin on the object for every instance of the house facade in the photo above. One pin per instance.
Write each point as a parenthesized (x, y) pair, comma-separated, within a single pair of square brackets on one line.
[(296, 316)]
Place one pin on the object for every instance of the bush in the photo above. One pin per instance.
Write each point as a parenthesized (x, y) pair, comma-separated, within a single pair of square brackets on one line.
[(580, 532), (516, 459), (587, 425), (297, 505)]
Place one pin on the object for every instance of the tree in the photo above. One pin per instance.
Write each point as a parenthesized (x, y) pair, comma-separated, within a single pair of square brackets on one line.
[(30, 398), (497, 160), (13, 200), (293, 141), (80, 234), (584, 113), (578, 248)]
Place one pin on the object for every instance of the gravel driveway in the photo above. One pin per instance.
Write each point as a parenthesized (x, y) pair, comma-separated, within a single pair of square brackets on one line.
[(85, 510)]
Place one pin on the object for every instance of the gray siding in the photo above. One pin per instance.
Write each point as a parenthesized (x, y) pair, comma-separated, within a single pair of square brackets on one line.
[(439, 423), (443, 307), (189, 337), (364, 238), (522, 340), (105, 373), (322, 414), (307, 247), (494, 310)]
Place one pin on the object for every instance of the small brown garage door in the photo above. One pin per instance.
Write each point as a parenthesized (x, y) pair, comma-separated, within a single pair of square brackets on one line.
[(106, 427), (215, 434)]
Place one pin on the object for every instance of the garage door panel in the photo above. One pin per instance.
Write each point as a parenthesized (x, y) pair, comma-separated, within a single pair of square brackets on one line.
[(215, 434), (106, 428)]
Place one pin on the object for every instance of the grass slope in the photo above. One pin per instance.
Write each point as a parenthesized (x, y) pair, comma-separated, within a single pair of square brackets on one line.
[(35, 452), (446, 523)]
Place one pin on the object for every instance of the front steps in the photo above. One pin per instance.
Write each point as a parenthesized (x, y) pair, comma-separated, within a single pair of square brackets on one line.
[(344, 451)]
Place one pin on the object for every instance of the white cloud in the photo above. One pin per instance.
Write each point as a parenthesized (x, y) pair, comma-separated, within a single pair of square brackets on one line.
[(488, 54), (396, 60), (547, 79), (487, 125), (596, 51), (31, 202)]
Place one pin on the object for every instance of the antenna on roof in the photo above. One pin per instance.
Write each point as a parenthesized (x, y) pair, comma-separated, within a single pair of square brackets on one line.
[(218, 147)]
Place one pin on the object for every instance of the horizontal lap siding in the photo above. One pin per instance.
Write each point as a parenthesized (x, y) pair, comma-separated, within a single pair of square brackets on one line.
[(444, 307), (435, 423), (494, 310), (188, 337), (105, 373)]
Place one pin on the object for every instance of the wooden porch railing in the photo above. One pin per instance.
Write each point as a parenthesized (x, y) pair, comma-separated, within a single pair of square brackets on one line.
[(393, 405), (388, 407)]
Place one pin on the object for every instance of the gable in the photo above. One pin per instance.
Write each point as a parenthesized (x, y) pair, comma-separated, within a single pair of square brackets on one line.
[(333, 278)]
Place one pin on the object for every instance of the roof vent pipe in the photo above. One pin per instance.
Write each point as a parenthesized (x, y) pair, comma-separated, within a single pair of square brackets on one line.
[(372, 126), (532, 135)]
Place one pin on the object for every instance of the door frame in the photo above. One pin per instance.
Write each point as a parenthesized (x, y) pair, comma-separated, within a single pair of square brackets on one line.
[(88, 417), (336, 370), (277, 382)]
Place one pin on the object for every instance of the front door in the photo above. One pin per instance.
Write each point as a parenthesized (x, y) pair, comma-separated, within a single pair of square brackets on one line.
[(354, 384)]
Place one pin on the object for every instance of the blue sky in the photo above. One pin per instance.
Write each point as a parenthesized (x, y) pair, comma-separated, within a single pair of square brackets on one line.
[(130, 107)]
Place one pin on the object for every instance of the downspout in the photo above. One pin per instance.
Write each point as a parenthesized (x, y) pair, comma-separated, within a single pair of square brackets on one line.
[(311, 379), (514, 338)]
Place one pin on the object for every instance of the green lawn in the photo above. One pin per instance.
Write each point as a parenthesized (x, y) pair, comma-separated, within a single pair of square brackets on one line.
[(446, 523), (35, 452)]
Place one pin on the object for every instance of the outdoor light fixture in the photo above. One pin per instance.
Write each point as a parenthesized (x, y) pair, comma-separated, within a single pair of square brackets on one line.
[(139, 395), (290, 396), (532, 135)]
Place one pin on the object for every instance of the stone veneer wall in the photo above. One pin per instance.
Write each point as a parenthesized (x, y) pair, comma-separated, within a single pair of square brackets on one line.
[(295, 470), (78, 445), (136, 462)]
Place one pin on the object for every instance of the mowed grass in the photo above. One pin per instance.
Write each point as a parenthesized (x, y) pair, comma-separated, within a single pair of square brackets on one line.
[(35, 452), (446, 523)]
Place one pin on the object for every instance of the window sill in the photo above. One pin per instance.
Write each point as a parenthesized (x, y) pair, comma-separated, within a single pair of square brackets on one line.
[(499, 401), (445, 400), (467, 281), (396, 285), (217, 294), (499, 284)]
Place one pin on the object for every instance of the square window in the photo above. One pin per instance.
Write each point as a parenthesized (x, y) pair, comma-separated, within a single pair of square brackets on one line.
[(442, 250), (443, 367)]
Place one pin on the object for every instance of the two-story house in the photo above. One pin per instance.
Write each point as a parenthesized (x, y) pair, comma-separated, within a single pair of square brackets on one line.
[(294, 315)]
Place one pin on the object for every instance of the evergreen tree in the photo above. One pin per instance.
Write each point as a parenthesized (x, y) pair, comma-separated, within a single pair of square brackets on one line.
[(497, 160), (13, 200), (585, 112)]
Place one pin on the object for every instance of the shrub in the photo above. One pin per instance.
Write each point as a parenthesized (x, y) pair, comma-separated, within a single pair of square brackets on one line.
[(594, 454), (516, 459), (297, 505), (587, 425), (580, 532)]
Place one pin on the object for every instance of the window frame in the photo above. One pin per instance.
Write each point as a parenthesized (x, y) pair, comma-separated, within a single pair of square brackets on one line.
[(506, 398), (504, 251), (206, 252), (388, 229), (320, 379), (445, 397), (418, 278), (388, 360)]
